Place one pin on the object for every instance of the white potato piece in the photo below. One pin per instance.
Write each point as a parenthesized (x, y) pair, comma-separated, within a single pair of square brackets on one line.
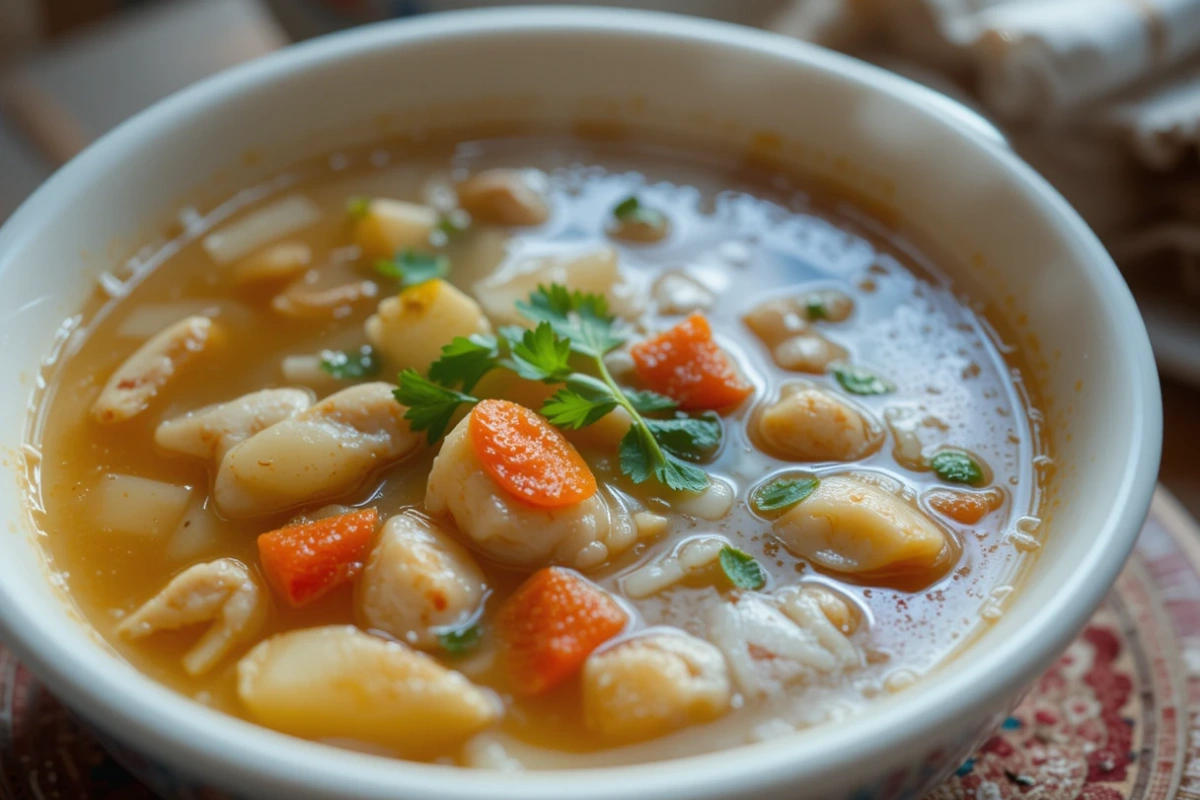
[(807, 423), (419, 582), (389, 226), (338, 682), (690, 556), (505, 197), (808, 352), (678, 293), (595, 270), (147, 372), (582, 536), (324, 451), (139, 506), (303, 301), (410, 329), (850, 526), (197, 531), (274, 221), (769, 649), (209, 432), (222, 591), (273, 264), (653, 684)]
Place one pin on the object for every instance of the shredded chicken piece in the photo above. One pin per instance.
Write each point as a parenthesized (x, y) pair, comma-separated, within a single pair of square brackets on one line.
[(209, 432), (222, 591)]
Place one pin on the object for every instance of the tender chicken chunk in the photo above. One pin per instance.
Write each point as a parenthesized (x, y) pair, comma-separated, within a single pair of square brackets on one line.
[(410, 329), (222, 591), (144, 374), (773, 642), (382, 227), (209, 432), (808, 352), (691, 556), (338, 682), (504, 196), (847, 525), (782, 323), (652, 684), (303, 301), (273, 264), (319, 453), (595, 270), (807, 423), (419, 582), (583, 536)]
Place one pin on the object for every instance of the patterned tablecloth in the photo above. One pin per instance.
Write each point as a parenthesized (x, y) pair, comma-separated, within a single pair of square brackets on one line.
[(1117, 718)]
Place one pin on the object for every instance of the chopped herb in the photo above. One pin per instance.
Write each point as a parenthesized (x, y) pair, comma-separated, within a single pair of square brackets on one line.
[(627, 208), (412, 267), (430, 406), (461, 641), (567, 322), (351, 365), (358, 207), (648, 402), (781, 494), (857, 380), (455, 223), (956, 466), (630, 211), (465, 360), (741, 569), (814, 308)]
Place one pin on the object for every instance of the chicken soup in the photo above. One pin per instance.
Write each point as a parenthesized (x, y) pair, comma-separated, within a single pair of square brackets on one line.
[(522, 452)]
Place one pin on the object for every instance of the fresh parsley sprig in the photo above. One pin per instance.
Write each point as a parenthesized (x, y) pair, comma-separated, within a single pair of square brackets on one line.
[(572, 328)]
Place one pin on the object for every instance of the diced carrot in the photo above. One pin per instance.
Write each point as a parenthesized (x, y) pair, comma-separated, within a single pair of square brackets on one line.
[(685, 364), (965, 507), (550, 625), (304, 561), (528, 457)]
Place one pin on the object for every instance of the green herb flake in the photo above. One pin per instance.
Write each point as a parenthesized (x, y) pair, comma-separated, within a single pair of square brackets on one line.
[(741, 569), (541, 355), (358, 207), (460, 642), (689, 438), (857, 380), (781, 494), (465, 361), (351, 365), (568, 408), (648, 402), (815, 309), (956, 466), (630, 211), (627, 209), (412, 267), (430, 406)]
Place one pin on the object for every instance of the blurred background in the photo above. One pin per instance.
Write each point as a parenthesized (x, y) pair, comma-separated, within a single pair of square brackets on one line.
[(1101, 96)]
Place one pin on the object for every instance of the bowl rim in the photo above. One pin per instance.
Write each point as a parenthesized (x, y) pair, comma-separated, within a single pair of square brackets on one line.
[(204, 742)]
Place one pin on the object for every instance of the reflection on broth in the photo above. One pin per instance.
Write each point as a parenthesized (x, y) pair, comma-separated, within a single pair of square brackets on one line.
[(297, 470)]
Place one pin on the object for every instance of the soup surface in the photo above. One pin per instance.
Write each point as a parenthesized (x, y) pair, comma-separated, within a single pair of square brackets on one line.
[(535, 452)]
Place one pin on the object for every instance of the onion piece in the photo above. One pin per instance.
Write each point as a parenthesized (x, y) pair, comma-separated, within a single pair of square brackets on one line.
[(140, 506), (274, 221)]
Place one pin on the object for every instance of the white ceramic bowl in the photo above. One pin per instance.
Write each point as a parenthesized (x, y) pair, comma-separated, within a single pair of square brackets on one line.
[(996, 225)]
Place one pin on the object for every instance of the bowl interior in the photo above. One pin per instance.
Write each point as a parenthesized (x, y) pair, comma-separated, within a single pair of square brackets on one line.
[(992, 222)]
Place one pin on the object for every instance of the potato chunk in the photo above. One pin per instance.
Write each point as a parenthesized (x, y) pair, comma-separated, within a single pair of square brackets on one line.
[(209, 432), (807, 423), (338, 682), (222, 591), (140, 506), (144, 374), (388, 226), (652, 684), (584, 535), (504, 196), (318, 454), (419, 582), (595, 270), (847, 525), (410, 328)]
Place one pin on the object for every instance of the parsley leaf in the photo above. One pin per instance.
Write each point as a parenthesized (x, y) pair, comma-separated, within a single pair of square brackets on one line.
[(458, 642), (642, 457), (358, 207), (351, 365), (689, 438), (814, 308), (680, 475), (569, 408), (648, 402), (741, 568), (636, 454), (956, 466), (412, 267), (465, 360), (430, 407), (540, 355), (627, 207), (582, 318), (781, 494), (630, 211), (857, 380)]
